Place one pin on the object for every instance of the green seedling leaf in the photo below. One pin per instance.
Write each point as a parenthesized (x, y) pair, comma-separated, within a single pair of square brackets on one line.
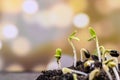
[(92, 38), (58, 53), (111, 64), (72, 36), (92, 31), (75, 38)]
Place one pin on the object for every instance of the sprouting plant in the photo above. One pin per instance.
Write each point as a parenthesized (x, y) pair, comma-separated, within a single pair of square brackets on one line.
[(70, 38), (93, 74), (58, 56), (75, 77), (110, 54), (106, 69), (89, 63), (94, 37), (110, 63), (67, 70), (85, 52)]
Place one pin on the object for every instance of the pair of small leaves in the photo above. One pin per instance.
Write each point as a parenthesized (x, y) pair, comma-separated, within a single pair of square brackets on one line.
[(110, 63), (58, 53), (92, 33), (72, 36)]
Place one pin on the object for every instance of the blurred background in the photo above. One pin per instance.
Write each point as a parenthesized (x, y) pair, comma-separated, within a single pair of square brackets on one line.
[(31, 30)]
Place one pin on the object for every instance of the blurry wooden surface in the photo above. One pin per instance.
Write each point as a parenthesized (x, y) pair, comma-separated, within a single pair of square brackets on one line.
[(18, 76)]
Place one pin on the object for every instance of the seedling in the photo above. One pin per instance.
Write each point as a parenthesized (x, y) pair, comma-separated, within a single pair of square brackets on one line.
[(110, 63), (67, 70), (88, 63), (75, 77), (58, 56), (106, 69), (70, 38), (85, 52), (93, 74), (94, 37)]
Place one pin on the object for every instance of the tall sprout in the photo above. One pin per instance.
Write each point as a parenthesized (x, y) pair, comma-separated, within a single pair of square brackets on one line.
[(70, 38), (94, 37)]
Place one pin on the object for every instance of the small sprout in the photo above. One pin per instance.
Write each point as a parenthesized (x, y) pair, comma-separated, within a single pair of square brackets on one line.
[(94, 37), (67, 70), (94, 73), (58, 56), (112, 65), (89, 66), (75, 77), (86, 53), (114, 53), (106, 69), (88, 63), (70, 38)]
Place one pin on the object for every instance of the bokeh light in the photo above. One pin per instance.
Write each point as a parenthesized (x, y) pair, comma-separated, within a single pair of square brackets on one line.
[(30, 6), (61, 15), (39, 68), (15, 68), (21, 46), (10, 31), (81, 20)]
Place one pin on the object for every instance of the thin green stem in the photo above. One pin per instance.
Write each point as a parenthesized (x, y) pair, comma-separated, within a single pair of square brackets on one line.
[(98, 50), (59, 64), (74, 52), (81, 55)]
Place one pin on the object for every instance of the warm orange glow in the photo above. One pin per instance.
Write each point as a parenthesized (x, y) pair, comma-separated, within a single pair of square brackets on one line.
[(78, 5), (11, 6), (21, 46), (61, 15), (14, 68)]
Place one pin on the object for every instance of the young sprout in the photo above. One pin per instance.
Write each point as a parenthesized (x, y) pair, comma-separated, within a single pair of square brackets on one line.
[(110, 63), (67, 70), (89, 63), (70, 38), (94, 37), (106, 69), (109, 54), (85, 52), (58, 56), (94, 73), (75, 77)]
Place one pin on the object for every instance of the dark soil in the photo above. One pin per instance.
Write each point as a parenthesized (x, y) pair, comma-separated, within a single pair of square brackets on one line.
[(58, 75)]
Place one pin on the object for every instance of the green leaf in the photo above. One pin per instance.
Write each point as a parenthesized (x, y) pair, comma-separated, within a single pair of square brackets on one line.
[(92, 31), (58, 53), (73, 33), (75, 38), (72, 36), (92, 38)]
